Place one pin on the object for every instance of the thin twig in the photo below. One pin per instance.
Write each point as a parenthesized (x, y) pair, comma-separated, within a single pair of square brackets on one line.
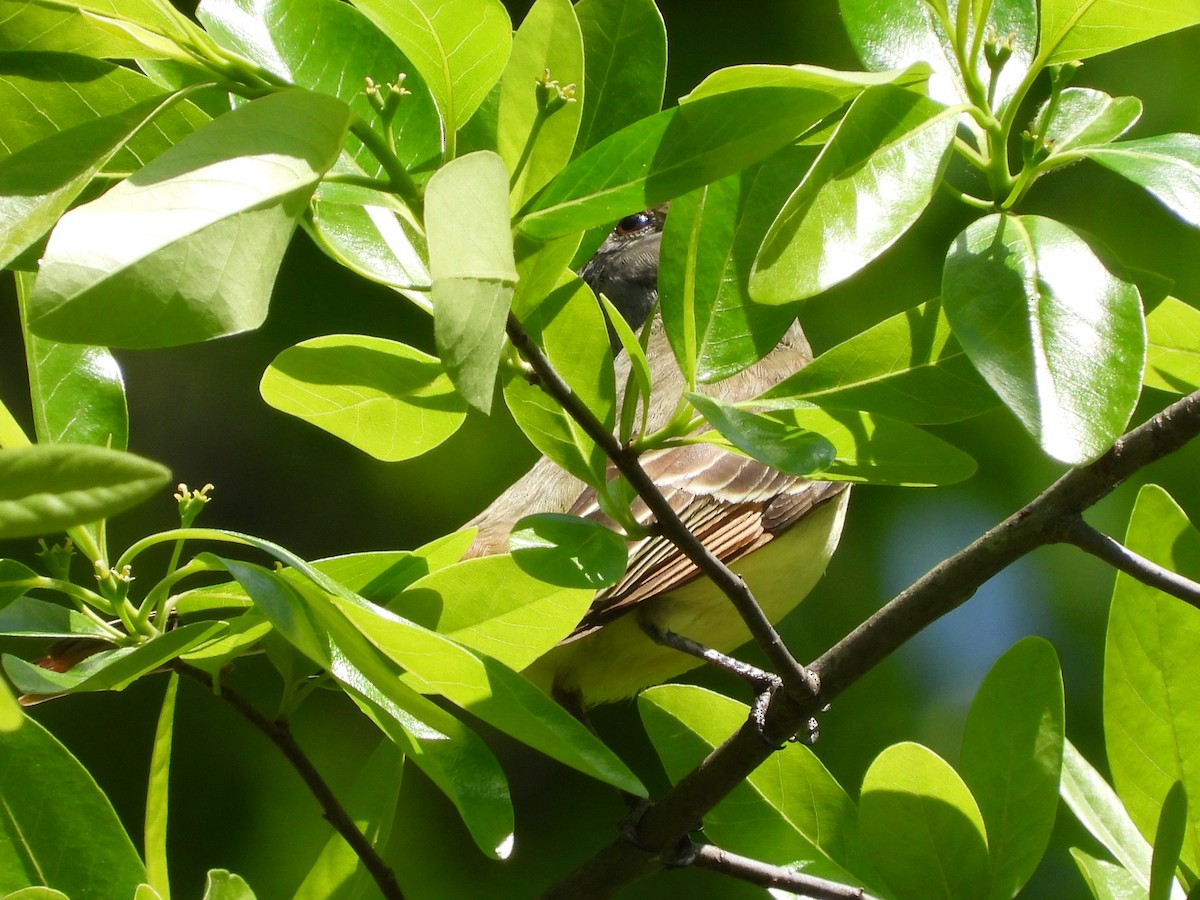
[(281, 736), (709, 856), (798, 680), (1086, 538), (942, 589)]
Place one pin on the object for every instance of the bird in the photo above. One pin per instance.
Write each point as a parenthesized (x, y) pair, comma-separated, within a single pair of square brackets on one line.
[(777, 531)]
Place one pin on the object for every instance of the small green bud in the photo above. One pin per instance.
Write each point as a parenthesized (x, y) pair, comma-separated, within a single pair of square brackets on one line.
[(191, 502), (57, 558)]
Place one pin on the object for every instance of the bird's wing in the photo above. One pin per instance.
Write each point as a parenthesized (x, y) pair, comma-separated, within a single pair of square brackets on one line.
[(733, 504)]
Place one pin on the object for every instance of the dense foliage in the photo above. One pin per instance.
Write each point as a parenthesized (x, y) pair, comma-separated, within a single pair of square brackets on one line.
[(155, 169)]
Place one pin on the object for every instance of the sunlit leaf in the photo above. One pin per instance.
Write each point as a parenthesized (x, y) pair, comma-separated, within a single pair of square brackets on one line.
[(187, 248), (1011, 759), (385, 398), (492, 605), (459, 47), (1166, 165), (1077, 29), (51, 487), (535, 142), (869, 185), (49, 801), (672, 153), (1058, 336), (625, 49), (907, 367), (568, 551), (473, 268), (1151, 700), (1173, 347), (922, 828)]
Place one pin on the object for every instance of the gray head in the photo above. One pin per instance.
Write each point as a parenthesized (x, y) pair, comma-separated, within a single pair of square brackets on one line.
[(625, 268)]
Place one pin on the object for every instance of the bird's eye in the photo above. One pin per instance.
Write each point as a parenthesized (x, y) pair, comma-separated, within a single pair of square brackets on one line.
[(633, 223)]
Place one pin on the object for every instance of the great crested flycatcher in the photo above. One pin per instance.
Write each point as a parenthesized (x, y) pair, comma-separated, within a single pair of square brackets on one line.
[(777, 531)]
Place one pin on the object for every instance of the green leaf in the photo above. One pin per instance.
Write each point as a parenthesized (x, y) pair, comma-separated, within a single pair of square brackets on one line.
[(1012, 757), (1077, 29), (77, 391), (157, 794), (187, 248), (488, 689), (568, 551), (459, 47), (1056, 334), (471, 261), (223, 885), (453, 757), (1166, 165), (533, 143), (51, 27), (1168, 841), (733, 332), (371, 234), (695, 248), (1151, 697), (42, 94), (845, 85), (1084, 117), (1173, 347), (922, 828), (874, 449), (338, 873), (27, 617), (790, 811), (493, 606), (899, 33), (385, 398), (781, 445), (50, 802), (11, 714), (45, 893), (1106, 881), (15, 579), (673, 152), (570, 327), (1096, 806), (625, 48), (331, 48), (907, 367), (40, 181), (110, 670), (635, 392), (51, 487), (869, 185)]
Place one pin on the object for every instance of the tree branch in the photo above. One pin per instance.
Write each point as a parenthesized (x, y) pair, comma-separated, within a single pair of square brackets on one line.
[(709, 856), (798, 680), (1082, 535), (281, 736), (945, 587)]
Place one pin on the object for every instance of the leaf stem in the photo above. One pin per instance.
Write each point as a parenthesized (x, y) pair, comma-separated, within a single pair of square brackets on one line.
[(401, 182)]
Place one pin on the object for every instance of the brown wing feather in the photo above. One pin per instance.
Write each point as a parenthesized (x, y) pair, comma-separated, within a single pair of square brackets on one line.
[(733, 504)]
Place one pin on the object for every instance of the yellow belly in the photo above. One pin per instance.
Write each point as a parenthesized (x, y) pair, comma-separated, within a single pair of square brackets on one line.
[(619, 660)]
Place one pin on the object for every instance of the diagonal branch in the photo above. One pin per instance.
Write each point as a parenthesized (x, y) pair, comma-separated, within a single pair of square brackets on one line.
[(281, 736), (1086, 538), (796, 678), (712, 857), (661, 825)]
